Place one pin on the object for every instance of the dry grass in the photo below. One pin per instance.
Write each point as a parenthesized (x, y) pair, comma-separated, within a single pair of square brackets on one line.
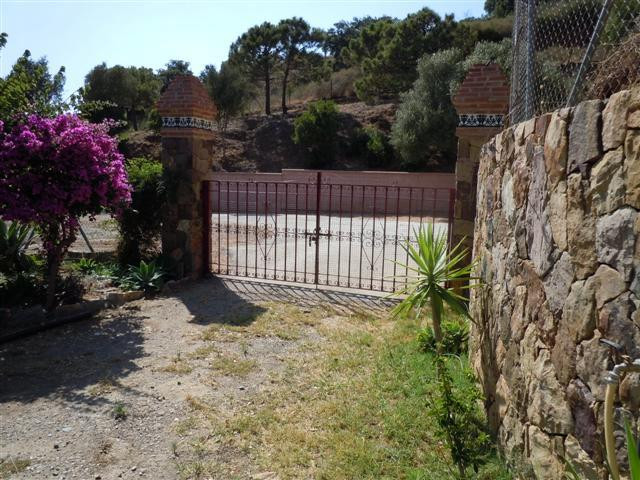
[(11, 466), (232, 365), (178, 366), (103, 387)]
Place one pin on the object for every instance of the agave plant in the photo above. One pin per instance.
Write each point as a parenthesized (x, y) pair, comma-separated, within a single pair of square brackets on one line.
[(146, 276), (15, 239), (439, 275)]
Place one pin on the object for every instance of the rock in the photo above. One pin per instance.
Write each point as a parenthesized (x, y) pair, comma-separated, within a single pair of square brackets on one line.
[(555, 149), (607, 183), (545, 464), (548, 408), (584, 135), (630, 391), (632, 168), (615, 241), (581, 462), (615, 320), (558, 282), (508, 201), (607, 284), (539, 236), (558, 214), (579, 314), (585, 426), (593, 362), (614, 119), (581, 230)]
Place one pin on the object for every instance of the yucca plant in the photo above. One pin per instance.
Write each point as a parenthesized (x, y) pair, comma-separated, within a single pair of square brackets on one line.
[(438, 277), (146, 276), (15, 239)]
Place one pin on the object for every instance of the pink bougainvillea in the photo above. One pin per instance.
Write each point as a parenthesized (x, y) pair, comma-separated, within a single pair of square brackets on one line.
[(54, 171)]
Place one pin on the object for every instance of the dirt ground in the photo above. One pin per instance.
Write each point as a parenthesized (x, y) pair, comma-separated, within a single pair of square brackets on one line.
[(134, 393)]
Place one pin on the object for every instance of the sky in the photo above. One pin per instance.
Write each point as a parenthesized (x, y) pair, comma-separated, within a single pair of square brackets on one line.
[(80, 34)]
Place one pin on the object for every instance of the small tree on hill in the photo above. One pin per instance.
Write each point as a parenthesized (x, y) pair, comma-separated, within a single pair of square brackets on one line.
[(54, 171), (256, 51)]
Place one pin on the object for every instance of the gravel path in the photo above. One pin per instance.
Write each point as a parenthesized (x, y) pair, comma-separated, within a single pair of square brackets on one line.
[(62, 390)]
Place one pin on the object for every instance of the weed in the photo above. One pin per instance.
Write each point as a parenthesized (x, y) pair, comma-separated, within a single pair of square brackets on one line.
[(104, 386), (120, 412), (185, 426)]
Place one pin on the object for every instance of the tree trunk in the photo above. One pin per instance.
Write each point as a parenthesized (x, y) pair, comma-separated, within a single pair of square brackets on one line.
[(267, 92), (436, 320), (285, 79), (53, 264)]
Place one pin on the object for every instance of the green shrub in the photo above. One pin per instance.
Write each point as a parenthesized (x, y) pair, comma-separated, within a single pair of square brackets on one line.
[(455, 338), (25, 289), (89, 266), (140, 224), (316, 130), (372, 145)]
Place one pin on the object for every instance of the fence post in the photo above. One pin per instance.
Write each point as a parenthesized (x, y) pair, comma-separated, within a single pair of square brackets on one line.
[(588, 54), (187, 152), (529, 93), (205, 197)]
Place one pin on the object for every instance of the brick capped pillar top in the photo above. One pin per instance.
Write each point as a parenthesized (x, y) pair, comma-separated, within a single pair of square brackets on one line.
[(481, 102), (188, 140)]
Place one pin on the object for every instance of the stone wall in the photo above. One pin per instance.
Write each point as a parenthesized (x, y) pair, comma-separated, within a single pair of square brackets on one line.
[(558, 248)]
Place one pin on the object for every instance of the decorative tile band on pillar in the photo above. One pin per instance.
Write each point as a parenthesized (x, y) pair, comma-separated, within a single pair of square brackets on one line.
[(187, 122), (480, 120), (188, 135), (481, 102)]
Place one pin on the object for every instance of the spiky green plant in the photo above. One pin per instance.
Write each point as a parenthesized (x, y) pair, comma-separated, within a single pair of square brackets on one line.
[(15, 239), (633, 453), (146, 276), (439, 275)]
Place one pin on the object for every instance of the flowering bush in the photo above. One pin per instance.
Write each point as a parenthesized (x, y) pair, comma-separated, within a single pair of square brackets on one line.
[(54, 171)]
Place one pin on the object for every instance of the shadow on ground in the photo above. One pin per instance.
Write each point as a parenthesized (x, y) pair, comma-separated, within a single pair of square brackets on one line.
[(220, 291), (63, 362)]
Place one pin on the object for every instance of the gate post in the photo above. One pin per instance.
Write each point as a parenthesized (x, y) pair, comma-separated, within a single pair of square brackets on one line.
[(187, 150), (481, 102)]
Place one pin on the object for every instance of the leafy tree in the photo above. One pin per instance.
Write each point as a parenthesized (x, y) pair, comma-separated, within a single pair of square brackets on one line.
[(257, 53), (295, 38), (316, 130), (338, 37), (499, 8), (171, 70), (123, 92), (74, 170), (30, 88), (388, 52), (3, 40), (228, 89), (424, 130), (140, 225)]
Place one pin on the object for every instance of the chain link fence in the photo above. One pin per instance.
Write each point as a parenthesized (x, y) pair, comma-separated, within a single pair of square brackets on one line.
[(571, 50)]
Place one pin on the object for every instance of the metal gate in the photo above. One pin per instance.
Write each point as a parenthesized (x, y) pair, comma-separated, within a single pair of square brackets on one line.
[(313, 227)]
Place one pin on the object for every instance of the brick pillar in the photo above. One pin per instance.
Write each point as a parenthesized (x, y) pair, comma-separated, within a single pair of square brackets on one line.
[(481, 102), (187, 150)]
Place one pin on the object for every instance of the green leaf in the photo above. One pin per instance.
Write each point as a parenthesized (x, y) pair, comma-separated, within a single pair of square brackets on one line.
[(632, 451)]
